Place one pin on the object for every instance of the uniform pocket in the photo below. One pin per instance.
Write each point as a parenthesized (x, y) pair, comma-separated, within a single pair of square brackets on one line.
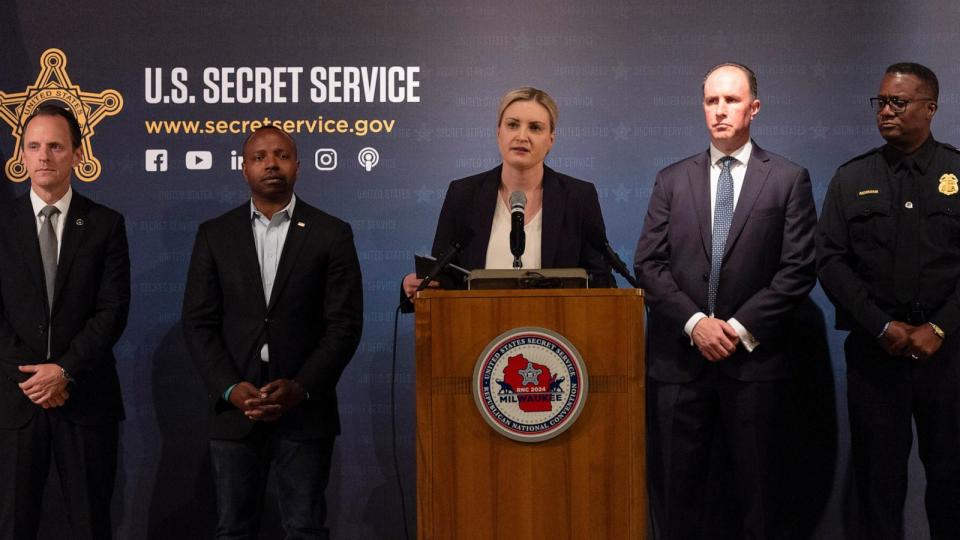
[(943, 223), (871, 225)]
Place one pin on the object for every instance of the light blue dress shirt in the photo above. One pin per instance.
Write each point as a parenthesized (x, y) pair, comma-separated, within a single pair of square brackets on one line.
[(268, 237)]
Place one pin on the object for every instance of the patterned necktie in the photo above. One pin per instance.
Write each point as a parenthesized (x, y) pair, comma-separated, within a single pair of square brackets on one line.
[(48, 249), (722, 216)]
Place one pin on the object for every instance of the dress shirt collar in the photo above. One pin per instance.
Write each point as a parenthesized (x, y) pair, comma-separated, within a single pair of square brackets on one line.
[(62, 205), (742, 154), (288, 209), (920, 159)]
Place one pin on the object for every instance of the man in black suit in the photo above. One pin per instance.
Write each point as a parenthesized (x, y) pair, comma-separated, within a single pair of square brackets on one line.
[(725, 257), (65, 293), (272, 313)]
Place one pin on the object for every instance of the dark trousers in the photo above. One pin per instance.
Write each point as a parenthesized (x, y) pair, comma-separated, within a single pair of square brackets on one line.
[(683, 420), (86, 460), (884, 393), (302, 469)]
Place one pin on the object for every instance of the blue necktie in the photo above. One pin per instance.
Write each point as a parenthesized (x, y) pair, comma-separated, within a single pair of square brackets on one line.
[(722, 216)]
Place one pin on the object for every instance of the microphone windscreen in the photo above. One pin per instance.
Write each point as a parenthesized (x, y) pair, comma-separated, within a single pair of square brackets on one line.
[(518, 201)]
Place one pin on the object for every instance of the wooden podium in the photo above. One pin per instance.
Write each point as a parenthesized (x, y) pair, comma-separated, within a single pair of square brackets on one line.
[(587, 482)]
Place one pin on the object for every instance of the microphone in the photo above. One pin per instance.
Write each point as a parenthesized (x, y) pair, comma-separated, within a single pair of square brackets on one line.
[(597, 237), (442, 262), (518, 239)]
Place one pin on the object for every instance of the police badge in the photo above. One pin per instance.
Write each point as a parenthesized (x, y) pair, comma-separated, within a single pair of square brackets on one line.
[(948, 184)]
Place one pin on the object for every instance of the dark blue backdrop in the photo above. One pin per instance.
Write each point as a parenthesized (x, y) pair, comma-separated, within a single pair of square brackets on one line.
[(627, 79)]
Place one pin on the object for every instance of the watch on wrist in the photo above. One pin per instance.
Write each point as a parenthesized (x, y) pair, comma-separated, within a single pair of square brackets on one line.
[(66, 376)]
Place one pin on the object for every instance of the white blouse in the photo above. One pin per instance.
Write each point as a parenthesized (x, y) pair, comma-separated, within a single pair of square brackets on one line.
[(498, 250)]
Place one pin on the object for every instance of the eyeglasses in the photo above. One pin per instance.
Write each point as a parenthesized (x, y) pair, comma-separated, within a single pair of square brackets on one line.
[(897, 105)]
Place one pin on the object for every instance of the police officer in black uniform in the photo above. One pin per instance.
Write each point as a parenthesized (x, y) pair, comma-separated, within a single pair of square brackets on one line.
[(888, 256)]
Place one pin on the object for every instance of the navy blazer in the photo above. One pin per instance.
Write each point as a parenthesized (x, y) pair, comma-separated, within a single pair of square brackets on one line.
[(768, 264), (312, 321), (90, 306), (571, 210)]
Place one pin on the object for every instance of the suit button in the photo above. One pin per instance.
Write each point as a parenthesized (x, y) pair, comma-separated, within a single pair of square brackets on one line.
[(706, 277), (41, 328), (267, 320)]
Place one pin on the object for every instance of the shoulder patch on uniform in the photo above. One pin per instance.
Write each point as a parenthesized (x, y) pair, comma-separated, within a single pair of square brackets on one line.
[(863, 155)]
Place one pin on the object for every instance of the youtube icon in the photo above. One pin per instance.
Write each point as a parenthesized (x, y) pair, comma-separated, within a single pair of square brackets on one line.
[(199, 160)]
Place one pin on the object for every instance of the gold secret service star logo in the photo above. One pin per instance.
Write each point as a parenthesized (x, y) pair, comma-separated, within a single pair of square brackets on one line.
[(53, 84)]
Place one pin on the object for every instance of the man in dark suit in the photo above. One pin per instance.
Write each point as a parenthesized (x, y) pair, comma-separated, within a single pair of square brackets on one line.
[(272, 313), (725, 256), (65, 293)]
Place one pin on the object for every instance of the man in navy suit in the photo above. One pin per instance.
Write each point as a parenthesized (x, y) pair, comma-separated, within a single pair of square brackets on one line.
[(64, 296), (272, 313), (725, 257)]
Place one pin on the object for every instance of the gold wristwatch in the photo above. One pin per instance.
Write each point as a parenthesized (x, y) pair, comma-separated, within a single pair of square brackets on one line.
[(937, 330)]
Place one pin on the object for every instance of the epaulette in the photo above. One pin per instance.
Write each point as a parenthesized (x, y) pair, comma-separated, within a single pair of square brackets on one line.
[(861, 156), (949, 146)]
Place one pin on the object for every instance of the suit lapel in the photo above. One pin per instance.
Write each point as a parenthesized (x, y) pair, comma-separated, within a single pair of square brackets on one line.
[(246, 249), (699, 178), (74, 231), (552, 208), (758, 168), (26, 234), (300, 224), (481, 220)]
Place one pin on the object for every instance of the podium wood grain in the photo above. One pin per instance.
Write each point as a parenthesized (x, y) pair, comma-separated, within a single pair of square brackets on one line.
[(588, 482)]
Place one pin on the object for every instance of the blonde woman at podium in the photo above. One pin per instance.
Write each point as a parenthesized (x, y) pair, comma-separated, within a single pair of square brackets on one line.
[(521, 214)]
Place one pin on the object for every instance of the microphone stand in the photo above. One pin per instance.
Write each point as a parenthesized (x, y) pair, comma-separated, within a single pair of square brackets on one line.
[(618, 265), (442, 263)]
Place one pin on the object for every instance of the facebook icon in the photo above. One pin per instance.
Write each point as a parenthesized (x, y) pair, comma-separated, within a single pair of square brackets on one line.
[(156, 160)]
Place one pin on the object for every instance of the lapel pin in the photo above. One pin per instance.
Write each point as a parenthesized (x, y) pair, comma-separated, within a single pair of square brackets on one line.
[(301, 224), (79, 222)]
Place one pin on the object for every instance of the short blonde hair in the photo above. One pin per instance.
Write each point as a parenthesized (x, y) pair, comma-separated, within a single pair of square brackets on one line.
[(529, 93)]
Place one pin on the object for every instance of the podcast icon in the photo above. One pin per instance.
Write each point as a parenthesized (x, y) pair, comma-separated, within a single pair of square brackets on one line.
[(368, 158)]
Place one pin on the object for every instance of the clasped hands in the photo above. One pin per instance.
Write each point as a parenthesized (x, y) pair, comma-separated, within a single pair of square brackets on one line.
[(46, 387), (916, 342), (715, 338), (267, 404)]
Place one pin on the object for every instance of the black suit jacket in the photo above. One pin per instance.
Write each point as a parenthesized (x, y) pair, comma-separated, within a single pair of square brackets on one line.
[(90, 306), (571, 210), (768, 264), (312, 322)]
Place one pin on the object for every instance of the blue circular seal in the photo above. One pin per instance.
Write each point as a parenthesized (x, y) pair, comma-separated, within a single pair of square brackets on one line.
[(530, 384)]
